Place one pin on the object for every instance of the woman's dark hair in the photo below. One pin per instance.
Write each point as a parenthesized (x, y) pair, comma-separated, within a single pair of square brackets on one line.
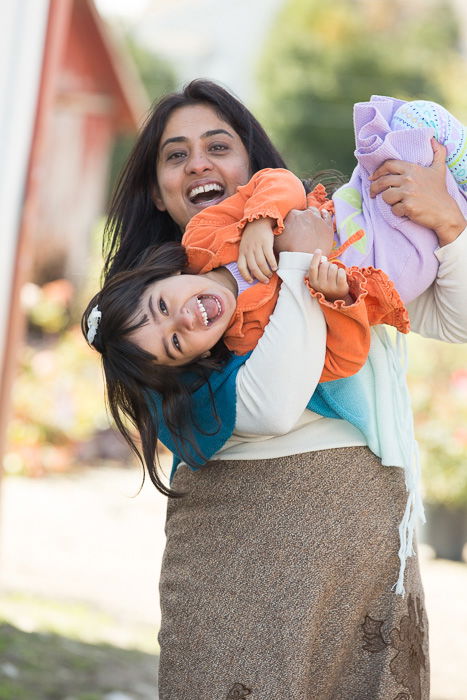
[(133, 222), (131, 373)]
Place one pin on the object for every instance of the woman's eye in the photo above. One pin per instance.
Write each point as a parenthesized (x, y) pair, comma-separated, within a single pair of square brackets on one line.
[(218, 147), (162, 306), (176, 155), (176, 342)]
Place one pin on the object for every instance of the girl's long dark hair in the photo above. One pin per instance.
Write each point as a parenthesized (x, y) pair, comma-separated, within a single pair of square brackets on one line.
[(133, 225), (132, 373)]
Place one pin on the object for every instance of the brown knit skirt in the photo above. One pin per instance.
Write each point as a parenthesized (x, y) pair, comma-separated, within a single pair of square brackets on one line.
[(276, 583)]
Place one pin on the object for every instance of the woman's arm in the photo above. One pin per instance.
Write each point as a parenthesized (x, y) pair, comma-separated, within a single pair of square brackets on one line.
[(213, 236), (441, 311), (275, 384), (421, 195)]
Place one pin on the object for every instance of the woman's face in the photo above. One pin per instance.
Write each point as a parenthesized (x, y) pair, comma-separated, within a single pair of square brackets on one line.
[(201, 161), (186, 316)]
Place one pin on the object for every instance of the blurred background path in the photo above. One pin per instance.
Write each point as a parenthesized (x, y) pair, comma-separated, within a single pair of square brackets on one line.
[(81, 556)]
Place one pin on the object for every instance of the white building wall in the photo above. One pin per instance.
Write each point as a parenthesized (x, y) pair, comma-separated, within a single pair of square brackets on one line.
[(22, 34)]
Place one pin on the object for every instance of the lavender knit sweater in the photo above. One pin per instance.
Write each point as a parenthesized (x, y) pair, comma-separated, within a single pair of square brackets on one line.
[(389, 128)]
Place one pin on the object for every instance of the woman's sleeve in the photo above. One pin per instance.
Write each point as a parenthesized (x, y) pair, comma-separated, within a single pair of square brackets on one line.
[(441, 311), (276, 382)]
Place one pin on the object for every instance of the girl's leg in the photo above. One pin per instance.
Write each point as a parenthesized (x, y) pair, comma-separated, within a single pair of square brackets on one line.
[(448, 131)]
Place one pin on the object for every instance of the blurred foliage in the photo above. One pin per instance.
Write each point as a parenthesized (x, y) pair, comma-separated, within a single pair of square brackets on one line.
[(59, 417), (321, 58), (159, 79), (438, 386), (57, 402), (48, 306), (74, 619), (157, 74), (49, 666)]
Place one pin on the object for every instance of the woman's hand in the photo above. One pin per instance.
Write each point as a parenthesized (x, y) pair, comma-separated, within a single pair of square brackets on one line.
[(305, 231), (256, 257), (421, 194), (329, 279)]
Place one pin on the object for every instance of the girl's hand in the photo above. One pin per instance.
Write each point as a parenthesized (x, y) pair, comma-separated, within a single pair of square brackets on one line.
[(305, 231), (329, 279), (256, 257), (421, 194)]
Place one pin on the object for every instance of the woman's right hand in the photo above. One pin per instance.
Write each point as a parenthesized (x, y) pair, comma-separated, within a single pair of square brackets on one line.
[(420, 194), (305, 231)]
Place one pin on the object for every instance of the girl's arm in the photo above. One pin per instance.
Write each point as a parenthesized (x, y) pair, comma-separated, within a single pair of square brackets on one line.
[(212, 237)]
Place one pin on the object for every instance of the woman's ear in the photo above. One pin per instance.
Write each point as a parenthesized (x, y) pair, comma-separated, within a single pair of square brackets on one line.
[(157, 199)]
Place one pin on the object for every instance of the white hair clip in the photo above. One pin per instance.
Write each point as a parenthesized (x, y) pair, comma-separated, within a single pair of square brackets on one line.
[(93, 323)]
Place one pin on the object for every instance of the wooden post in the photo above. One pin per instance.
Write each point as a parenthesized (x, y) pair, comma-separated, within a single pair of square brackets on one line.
[(57, 27)]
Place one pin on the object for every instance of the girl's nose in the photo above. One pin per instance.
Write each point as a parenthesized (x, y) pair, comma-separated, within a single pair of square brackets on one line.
[(185, 319)]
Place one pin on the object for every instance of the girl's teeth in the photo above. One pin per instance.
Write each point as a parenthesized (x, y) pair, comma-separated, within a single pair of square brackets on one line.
[(203, 311)]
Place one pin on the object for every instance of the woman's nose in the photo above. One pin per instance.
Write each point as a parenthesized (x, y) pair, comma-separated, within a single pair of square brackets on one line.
[(198, 163)]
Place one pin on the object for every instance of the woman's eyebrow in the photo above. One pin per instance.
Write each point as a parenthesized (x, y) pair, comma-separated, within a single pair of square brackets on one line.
[(207, 134), (214, 132), (174, 139)]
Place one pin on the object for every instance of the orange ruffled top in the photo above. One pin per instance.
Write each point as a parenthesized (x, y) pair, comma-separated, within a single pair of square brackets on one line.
[(212, 239)]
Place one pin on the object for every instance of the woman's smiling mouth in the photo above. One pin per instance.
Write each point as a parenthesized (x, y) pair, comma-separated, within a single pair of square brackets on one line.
[(206, 193)]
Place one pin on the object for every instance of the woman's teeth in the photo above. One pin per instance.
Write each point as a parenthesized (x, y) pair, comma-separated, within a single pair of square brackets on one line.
[(203, 189)]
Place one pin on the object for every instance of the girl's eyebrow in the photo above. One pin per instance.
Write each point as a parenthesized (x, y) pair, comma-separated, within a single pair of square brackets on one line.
[(156, 321), (151, 310), (206, 135)]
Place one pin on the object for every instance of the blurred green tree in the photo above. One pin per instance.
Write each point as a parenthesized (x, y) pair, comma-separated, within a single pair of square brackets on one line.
[(157, 74), (321, 58)]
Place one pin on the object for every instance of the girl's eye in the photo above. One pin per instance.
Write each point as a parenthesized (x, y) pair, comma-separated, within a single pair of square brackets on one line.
[(163, 307), (176, 342)]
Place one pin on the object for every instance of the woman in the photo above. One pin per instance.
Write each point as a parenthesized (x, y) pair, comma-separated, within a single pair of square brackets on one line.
[(280, 557)]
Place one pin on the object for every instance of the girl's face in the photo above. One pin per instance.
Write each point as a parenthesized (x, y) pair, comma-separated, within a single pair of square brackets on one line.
[(201, 161), (186, 316)]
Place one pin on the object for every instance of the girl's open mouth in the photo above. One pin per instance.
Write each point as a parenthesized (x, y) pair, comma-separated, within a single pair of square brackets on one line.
[(210, 308)]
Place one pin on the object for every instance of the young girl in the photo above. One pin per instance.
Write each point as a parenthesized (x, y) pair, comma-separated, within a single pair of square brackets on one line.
[(180, 319)]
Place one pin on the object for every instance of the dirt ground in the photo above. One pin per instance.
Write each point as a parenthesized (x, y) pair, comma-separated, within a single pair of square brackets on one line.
[(80, 555)]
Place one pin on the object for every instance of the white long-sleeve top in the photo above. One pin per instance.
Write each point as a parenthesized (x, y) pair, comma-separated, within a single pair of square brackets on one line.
[(276, 382)]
